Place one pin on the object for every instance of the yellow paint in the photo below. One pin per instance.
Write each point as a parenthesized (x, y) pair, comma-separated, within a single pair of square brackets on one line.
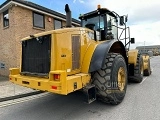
[(132, 57), (146, 59), (88, 56), (14, 71), (65, 85), (73, 83), (53, 54), (85, 78), (61, 45), (88, 47), (61, 62)]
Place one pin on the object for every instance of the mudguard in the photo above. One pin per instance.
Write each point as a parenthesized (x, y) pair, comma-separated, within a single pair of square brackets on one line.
[(146, 62), (101, 51), (132, 56)]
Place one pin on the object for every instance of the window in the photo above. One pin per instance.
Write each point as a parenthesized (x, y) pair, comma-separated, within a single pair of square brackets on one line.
[(5, 19), (38, 20), (111, 21), (57, 24), (94, 23)]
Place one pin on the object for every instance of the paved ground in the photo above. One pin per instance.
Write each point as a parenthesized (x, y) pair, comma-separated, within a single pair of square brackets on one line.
[(142, 102), (10, 90)]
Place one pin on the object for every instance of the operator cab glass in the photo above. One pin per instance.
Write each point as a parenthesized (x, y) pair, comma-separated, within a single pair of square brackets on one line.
[(112, 26), (94, 23), (104, 24)]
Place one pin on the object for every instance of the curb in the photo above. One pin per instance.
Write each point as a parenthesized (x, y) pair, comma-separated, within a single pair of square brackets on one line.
[(20, 96)]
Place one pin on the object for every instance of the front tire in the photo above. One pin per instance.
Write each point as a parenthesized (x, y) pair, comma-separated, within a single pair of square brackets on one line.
[(111, 80)]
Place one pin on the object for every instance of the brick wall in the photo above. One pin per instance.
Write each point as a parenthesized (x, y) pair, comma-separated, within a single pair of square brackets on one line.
[(20, 26), (7, 44)]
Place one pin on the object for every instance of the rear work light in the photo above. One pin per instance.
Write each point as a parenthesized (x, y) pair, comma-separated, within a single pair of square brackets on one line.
[(56, 76)]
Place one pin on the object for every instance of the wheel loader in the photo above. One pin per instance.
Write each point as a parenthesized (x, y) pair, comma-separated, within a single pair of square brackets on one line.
[(146, 65), (91, 58)]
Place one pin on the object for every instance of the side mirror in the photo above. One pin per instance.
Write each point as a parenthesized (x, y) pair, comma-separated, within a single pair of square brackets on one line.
[(126, 18), (132, 40), (121, 22)]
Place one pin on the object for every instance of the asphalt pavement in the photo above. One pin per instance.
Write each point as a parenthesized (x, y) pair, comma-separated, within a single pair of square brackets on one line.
[(142, 102)]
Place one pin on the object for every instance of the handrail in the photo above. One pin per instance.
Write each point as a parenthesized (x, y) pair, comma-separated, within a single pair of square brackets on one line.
[(125, 38)]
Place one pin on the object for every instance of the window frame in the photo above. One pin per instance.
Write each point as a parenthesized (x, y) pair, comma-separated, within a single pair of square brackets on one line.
[(59, 21), (43, 20), (6, 20)]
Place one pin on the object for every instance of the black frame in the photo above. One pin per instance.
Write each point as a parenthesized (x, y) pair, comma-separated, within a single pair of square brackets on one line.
[(43, 20), (57, 20), (5, 21)]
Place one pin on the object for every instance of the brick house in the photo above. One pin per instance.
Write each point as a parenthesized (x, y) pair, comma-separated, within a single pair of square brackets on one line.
[(18, 19)]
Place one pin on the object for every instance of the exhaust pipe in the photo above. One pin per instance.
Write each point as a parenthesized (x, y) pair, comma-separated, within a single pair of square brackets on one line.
[(68, 16)]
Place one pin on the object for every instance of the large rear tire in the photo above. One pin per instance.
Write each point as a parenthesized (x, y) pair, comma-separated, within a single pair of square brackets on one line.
[(111, 80), (138, 70)]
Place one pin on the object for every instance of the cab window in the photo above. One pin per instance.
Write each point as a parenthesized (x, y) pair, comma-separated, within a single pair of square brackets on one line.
[(112, 26)]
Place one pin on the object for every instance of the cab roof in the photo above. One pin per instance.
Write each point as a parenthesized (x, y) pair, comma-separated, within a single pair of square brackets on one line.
[(97, 12)]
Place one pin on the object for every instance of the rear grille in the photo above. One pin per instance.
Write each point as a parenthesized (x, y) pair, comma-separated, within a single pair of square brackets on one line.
[(36, 56), (75, 52)]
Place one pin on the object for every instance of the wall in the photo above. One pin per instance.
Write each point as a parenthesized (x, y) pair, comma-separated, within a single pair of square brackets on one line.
[(20, 26), (7, 44)]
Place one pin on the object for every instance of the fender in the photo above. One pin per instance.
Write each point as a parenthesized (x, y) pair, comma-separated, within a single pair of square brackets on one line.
[(146, 62), (132, 56), (100, 53)]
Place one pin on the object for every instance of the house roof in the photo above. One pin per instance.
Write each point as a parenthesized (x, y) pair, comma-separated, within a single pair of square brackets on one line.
[(29, 4)]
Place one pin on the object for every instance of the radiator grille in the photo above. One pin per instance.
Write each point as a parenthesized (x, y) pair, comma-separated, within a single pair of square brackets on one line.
[(36, 55), (75, 52)]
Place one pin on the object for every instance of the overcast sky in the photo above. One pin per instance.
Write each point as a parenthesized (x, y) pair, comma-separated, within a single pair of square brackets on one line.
[(143, 15)]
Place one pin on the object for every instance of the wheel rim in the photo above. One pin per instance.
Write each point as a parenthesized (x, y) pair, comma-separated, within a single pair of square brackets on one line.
[(121, 78)]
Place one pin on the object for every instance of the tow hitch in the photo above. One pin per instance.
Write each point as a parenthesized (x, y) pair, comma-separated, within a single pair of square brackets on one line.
[(90, 93)]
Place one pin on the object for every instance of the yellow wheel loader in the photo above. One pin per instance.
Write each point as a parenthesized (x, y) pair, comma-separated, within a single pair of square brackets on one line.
[(136, 69), (146, 65), (91, 58)]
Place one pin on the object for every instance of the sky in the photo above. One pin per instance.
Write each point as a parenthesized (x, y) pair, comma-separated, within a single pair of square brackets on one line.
[(143, 15)]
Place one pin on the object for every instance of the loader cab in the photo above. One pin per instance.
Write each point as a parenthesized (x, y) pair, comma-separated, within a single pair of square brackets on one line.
[(103, 22)]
